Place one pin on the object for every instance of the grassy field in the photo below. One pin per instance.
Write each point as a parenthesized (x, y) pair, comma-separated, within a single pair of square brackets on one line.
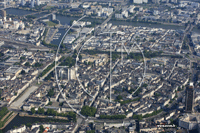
[(49, 23), (48, 7)]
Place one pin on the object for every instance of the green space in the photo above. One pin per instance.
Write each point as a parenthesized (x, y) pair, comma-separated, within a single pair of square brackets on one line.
[(31, 17), (27, 64), (51, 92), (112, 116), (49, 7), (45, 120), (128, 101), (49, 76), (0, 94), (88, 111), (92, 131), (51, 112), (49, 45), (139, 117), (3, 112), (1, 54), (47, 69), (136, 56), (68, 61), (37, 64), (50, 23)]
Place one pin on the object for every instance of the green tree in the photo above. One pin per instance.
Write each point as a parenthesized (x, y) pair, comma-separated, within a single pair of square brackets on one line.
[(22, 58), (61, 104), (51, 92), (33, 110), (119, 97), (50, 103), (37, 64), (112, 116), (28, 125), (1, 54), (23, 72), (41, 110), (88, 111), (27, 64), (41, 129)]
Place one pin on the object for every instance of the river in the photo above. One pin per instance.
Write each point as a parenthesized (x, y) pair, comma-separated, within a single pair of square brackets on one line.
[(19, 12), (64, 20), (17, 121)]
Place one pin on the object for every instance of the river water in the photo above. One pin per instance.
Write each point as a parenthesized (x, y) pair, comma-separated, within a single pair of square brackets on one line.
[(64, 20), (17, 121)]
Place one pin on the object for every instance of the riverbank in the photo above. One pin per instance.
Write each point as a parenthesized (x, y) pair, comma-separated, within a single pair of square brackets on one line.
[(147, 22), (18, 120), (13, 115), (23, 114)]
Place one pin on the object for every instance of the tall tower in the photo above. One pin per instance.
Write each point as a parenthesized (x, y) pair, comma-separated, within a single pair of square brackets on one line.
[(32, 3), (53, 17), (189, 98), (3, 14), (37, 2), (4, 3), (71, 73), (22, 2)]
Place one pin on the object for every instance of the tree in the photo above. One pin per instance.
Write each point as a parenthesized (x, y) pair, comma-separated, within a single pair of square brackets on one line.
[(23, 72), (40, 110), (33, 110), (29, 125), (22, 58), (80, 57), (119, 97), (51, 92), (144, 85), (75, 51), (50, 103), (172, 121), (61, 104), (88, 111), (41, 129), (71, 22), (27, 64), (37, 64), (112, 116), (51, 112), (1, 54), (71, 116)]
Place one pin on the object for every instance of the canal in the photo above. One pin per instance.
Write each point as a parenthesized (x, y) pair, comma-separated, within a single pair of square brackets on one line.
[(19, 120)]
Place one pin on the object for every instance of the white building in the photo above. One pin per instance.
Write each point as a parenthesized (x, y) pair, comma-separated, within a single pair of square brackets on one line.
[(23, 2), (190, 121), (125, 13), (32, 3), (53, 17), (69, 39), (18, 130), (138, 1), (104, 12), (71, 73), (37, 2)]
